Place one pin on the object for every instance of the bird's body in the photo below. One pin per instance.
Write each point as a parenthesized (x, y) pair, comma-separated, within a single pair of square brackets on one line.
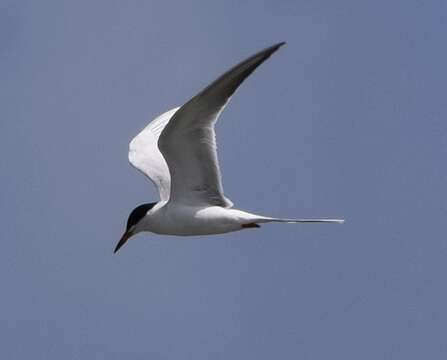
[(187, 220), (177, 151)]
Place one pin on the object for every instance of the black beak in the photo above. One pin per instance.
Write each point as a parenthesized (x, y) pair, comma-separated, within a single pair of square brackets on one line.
[(126, 236)]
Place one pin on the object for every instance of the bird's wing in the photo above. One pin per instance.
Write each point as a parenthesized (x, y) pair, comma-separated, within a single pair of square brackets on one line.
[(146, 157), (188, 141)]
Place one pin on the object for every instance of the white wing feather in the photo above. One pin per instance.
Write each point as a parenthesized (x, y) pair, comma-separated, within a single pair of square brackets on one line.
[(188, 142), (146, 157)]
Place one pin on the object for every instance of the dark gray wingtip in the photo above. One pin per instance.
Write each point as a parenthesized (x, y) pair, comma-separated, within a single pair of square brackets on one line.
[(225, 85), (262, 55), (278, 45), (271, 49)]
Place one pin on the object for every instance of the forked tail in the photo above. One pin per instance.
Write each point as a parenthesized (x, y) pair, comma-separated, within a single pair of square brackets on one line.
[(253, 220), (328, 221)]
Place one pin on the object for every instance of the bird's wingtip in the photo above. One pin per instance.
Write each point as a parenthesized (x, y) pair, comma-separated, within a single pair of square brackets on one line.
[(277, 46)]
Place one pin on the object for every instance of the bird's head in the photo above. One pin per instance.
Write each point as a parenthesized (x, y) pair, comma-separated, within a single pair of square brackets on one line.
[(132, 228)]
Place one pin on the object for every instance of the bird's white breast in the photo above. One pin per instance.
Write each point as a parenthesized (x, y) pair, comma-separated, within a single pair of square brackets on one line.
[(187, 220)]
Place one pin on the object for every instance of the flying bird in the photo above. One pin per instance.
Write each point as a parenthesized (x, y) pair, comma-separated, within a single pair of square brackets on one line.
[(177, 152)]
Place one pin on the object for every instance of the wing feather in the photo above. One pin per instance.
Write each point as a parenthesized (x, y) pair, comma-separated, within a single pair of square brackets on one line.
[(188, 141), (145, 156)]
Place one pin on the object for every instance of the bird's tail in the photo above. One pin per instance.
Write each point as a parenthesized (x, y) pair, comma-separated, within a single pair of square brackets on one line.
[(327, 221)]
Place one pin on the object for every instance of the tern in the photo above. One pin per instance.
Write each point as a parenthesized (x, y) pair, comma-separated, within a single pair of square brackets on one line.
[(177, 152)]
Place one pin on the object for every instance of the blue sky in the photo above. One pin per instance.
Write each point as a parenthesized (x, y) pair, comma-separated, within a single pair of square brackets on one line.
[(347, 120)]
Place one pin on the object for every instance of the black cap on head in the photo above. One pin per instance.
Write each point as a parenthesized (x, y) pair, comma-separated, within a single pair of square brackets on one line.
[(138, 213), (135, 216)]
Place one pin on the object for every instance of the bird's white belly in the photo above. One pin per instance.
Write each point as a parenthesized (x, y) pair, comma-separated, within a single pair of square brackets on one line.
[(187, 220)]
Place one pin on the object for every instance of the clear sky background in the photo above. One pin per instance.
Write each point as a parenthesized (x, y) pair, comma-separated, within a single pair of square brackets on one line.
[(347, 120)]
